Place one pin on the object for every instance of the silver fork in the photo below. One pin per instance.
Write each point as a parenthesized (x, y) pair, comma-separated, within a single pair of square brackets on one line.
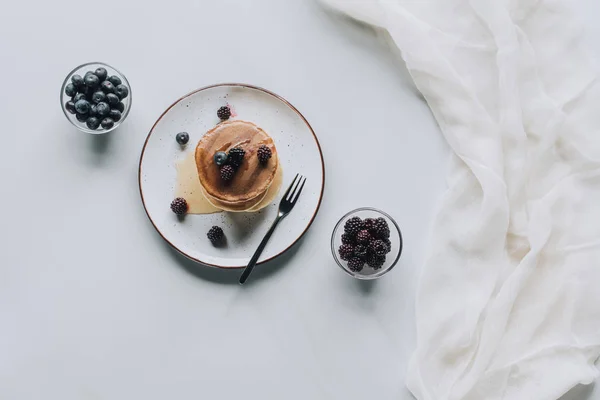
[(288, 201)]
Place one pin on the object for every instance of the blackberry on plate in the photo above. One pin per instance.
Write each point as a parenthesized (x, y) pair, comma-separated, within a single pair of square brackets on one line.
[(347, 238), (378, 247), (346, 251), (353, 225), (376, 262), (356, 264), (182, 137), (227, 172), (264, 153), (360, 251), (381, 230), (236, 156), (363, 237), (388, 243), (215, 234), (179, 206), (220, 158), (107, 123), (369, 223), (224, 113)]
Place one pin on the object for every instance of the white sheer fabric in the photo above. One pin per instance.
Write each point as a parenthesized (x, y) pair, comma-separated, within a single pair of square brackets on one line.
[(508, 305)]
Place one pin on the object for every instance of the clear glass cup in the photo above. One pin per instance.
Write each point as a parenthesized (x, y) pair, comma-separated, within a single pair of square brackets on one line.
[(81, 70), (395, 238)]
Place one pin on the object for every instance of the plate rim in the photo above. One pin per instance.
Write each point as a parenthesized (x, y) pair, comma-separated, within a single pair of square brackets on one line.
[(280, 98)]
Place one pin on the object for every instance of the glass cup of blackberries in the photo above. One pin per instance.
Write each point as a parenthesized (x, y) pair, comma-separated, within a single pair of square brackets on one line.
[(366, 243), (95, 97)]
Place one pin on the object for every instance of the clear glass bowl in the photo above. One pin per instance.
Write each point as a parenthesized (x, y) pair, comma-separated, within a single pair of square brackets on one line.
[(81, 70), (395, 238)]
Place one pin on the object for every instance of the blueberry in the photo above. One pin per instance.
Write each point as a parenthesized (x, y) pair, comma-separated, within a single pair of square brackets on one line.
[(115, 80), (112, 99), (220, 158), (91, 80), (182, 138), (120, 106), (115, 115), (107, 123), (82, 107), (98, 97), (107, 87), (70, 107), (92, 123), (101, 73), (81, 117), (93, 110), (77, 97), (77, 81), (122, 91), (103, 109), (70, 90)]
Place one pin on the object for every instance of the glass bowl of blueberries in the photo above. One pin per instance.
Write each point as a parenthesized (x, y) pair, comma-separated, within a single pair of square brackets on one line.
[(366, 243), (95, 97)]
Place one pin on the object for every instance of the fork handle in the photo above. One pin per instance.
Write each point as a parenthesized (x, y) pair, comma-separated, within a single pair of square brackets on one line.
[(258, 252)]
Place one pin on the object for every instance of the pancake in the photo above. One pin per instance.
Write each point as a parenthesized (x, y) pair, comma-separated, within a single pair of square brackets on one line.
[(251, 180)]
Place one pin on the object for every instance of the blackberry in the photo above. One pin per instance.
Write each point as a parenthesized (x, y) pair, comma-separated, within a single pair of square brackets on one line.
[(236, 156), (347, 238), (227, 173), (388, 243), (360, 251), (264, 153), (369, 224), (179, 206), (378, 247), (353, 225), (381, 230), (376, 262), (363, 237), (356, 264), (346, 251), (224, 113), (215, 234)]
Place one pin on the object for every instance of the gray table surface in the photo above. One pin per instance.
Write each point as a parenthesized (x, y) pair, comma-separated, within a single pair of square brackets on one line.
[(93, 304)]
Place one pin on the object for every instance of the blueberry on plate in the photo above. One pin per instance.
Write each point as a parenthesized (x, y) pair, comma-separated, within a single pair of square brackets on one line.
[(77, 97), (120, 106), (103, 109), (77, 81), (91, 80), (81, 117), (101, 73), (70, 107), (182, 138), (93, 110), (115, 80), (99, 97), (107, 123), (107, 87), (115, 115), (92, 123), (82, 107), (220, 158), (70, 90), (122, 91), (112, 99)]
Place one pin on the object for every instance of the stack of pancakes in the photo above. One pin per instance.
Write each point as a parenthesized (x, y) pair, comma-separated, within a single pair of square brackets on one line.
[(252, 179)]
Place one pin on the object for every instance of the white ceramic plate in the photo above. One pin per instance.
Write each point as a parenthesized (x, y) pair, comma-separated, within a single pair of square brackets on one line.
[(196, 113)]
